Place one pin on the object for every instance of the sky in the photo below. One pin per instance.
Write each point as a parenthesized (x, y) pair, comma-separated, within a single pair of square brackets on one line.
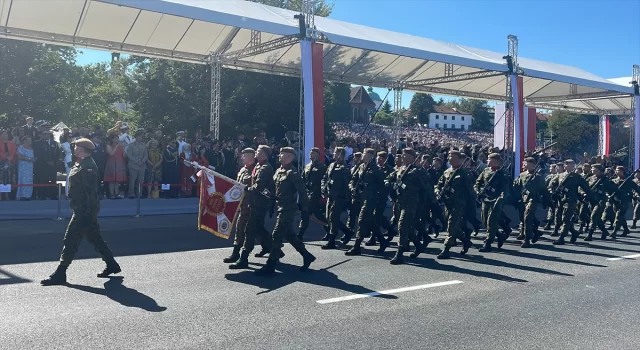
[(600, 37)]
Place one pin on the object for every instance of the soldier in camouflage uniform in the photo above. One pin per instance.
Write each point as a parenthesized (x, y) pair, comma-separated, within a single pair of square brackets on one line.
[(532, 191), (85, 205), (435, 173), (492, 188), (636, 202), (584, 207), (244, 177), (335, 187), (258, 178), (288, 186), (381, 220), (600, 186), (355, 203), (367, 184), (451, 189), (566, 194), (427, 201), (259, 194), (621, 200), (409, 186), (312, 176), (555, 209)]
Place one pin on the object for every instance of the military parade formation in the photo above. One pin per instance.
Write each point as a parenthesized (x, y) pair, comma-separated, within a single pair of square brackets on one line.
[(425, 198)]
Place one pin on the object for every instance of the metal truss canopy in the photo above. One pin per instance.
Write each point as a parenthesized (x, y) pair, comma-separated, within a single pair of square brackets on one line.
[(249, 35)]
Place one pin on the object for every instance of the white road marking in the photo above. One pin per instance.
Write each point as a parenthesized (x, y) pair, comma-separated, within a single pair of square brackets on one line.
[(625, 257), (387, 292)]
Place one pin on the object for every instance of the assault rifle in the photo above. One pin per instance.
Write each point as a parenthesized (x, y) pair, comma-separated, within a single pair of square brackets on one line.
[(446, 189)]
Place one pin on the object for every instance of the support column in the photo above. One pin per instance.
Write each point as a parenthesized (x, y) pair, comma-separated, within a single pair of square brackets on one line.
[(636, 124), (313, 96), (214, 121), (518, 123), (604, 132)]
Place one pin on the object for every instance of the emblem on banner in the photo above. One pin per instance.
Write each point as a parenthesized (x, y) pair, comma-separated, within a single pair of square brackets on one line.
[(235, 194), (215, 204)]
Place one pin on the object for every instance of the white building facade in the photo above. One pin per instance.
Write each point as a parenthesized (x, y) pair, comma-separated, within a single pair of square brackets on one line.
[(449, 119)]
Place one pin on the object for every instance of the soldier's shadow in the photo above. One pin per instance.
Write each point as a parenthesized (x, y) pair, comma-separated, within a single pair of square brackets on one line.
[(125, 296), (291, 274)]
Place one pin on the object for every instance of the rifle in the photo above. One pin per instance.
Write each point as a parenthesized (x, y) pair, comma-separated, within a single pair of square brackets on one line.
[(613, 197), (399, 183), (447, 187), (483, 193)]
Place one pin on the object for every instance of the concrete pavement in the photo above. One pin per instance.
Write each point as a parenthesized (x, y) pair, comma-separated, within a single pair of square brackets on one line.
[(177, 294)]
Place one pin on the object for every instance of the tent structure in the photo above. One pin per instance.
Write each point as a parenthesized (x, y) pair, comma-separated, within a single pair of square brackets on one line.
[(251, 36)]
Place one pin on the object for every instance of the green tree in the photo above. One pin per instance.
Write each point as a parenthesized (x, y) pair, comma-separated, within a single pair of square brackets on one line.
[(421, 105), (479, 109), (440, 101), (383, 118), (574, 132), (386, 107)]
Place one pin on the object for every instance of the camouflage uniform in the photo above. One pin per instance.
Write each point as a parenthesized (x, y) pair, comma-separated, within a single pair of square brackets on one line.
[(312, 175), (566, 194), (532, 191), (288, 187), (492, 187), (636, 205), (259, 199), (600, 187), (335, 185), (453, 187), (621, 201)]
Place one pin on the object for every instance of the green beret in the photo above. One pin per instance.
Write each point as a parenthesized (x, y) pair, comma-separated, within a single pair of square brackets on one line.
[(569, 161), (438, 159), (357, 154), (248, 150), (85, 143), (409, 151), (455, 153), (288, 150), (598, 166), (560, 164), (370, 151), (339, 149), (315, 149), (495, 156), (267, 149), (382, 154), (530, 160)]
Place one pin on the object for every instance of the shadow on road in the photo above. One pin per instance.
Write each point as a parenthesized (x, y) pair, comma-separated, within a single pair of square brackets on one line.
[(125, 296), (9, 278), (291, 274), (544, 257)]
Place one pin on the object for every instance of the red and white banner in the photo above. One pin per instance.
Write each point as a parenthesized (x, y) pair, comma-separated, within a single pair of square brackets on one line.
[(518, 122), (220, 199), (604, 142)]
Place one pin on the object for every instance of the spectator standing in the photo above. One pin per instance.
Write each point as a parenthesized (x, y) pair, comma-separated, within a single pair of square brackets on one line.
[(115, 171), (30, 129), (137, 155), (186, 171), (47, 153), (26, 159), (170, 168), (7, 162), (154, 169)]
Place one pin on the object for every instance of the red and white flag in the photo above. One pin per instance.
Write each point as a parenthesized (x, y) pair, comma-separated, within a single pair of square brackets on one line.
[(220, 199)]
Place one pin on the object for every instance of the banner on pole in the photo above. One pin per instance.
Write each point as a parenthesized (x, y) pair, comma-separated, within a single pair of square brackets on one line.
[(220, 199)]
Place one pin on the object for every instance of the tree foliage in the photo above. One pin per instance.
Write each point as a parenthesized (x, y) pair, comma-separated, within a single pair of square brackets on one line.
[(478, 109), (421, 105), (575, 133), (386, 107)]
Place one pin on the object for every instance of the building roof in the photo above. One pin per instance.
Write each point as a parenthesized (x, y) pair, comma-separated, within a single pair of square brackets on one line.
[(448, 110), (359, 95), (542, 116), (195, 31)]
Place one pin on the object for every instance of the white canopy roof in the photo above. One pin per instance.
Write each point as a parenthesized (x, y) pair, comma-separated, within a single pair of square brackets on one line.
[(261, 38)]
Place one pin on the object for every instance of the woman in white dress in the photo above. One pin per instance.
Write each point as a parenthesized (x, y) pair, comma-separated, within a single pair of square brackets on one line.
[(66, 149)]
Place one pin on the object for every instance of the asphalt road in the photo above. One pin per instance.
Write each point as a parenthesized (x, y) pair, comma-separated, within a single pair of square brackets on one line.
[(177, 294)]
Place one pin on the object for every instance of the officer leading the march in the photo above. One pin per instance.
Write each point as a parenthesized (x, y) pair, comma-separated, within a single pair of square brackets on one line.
[(85, 205)]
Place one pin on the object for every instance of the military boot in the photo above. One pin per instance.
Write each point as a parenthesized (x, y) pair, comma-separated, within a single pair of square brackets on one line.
[(59, 277), (371, 241), (436, 231), (589, 237), (526, 243), (633, 225), (112, 268), (559, 241), (486, 247), (355, 250), (604, 235), (261, 253), (420, 248), (391, 233), (501, 239), (347, 237), (574, 235), (521, 237), (625, 233), (235, 255), (331, 243), (326, 234), (242, 263), (536, 236), (307, 259), (384, 244), (268, 269), (398, 259), (445, 254)]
